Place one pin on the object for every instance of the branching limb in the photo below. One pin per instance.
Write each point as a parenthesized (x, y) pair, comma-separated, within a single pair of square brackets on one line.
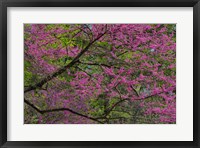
[(63, 69), (60, 109)]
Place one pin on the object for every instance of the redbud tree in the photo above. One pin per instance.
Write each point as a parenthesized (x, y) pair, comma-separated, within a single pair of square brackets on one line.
[(100, 73)]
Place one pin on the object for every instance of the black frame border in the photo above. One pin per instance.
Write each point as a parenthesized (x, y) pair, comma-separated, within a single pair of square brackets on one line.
[(99, 3)]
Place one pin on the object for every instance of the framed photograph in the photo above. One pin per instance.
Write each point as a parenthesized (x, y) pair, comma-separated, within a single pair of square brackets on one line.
[(99, 73)]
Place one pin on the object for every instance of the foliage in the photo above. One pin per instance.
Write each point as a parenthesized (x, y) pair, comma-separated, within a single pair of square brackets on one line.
[(100, 73)]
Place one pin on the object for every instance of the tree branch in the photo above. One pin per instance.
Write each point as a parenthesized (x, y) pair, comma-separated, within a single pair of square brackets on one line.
[(60, 109), (33, 106), (135, 91), (61, 70), (108, 112), (116, 105), (150, 96)]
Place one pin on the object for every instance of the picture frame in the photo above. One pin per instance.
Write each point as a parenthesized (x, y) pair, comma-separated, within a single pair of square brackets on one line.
[(99, 3)]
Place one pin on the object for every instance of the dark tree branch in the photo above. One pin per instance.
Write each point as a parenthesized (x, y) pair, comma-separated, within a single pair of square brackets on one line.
[(120, 95), (84, 71), (88, 28), (108, 112), (116, 105), (147, 97), (135, 91), (33, 106), (122, 53), (122, 100), (82, 28), (63, 69), (60, 109)]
